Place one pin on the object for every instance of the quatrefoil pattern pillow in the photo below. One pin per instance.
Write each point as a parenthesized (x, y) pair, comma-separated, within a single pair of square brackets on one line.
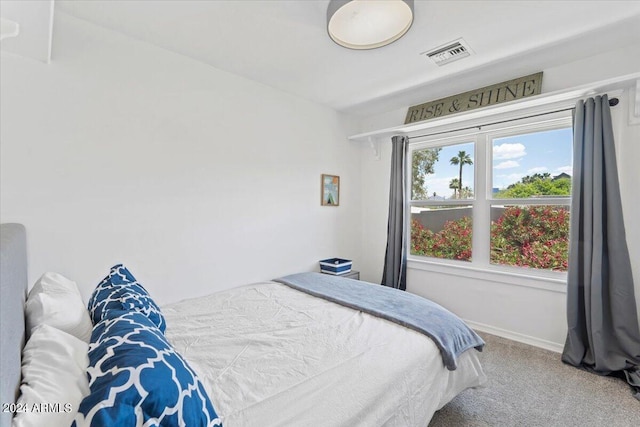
[(136, 378), (121, 291)]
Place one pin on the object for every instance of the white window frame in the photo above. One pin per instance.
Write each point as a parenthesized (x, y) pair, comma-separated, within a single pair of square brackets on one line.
[(483, 200)]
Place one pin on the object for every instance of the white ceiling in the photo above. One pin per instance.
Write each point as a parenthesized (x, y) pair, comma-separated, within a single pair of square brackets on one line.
[(284, 44)]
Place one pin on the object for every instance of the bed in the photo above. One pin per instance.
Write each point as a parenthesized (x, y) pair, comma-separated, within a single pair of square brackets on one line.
[(266, 354), (13, 292)]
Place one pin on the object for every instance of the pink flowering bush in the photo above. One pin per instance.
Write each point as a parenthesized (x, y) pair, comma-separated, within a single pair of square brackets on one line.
[(453, 242), (531, 236)]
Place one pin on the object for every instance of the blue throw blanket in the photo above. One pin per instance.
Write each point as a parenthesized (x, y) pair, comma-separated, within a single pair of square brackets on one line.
[(449, 332)]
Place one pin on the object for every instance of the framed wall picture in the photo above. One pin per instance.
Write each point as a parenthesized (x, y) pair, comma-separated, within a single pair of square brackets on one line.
[(330, 190)]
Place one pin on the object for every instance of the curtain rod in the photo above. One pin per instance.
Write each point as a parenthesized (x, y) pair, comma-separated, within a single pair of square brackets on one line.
[(612, 103)]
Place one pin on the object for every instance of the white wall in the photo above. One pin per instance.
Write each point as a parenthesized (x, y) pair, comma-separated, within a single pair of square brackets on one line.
[(530, 314), (197, 179), (200, 180), (627, 137)]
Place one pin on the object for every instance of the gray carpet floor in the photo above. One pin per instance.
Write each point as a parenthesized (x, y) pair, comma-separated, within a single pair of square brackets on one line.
[(528, 386)]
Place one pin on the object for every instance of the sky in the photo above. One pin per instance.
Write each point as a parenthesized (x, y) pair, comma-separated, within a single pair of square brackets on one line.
[(514, 157)]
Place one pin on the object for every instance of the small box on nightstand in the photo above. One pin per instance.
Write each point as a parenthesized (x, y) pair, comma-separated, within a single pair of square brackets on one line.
[(335, 266)]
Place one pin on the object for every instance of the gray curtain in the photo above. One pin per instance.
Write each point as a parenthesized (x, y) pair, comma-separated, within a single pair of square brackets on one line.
[(395, 259), (603, 335)]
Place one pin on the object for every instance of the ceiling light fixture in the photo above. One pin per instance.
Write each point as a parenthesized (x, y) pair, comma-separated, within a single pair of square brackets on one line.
[(368, 24)]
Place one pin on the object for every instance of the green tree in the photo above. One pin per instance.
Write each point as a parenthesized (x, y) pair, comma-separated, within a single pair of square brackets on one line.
[(422, 164), (454, 184), (461, 159), (467, 193), (536, 176), (537, 185)]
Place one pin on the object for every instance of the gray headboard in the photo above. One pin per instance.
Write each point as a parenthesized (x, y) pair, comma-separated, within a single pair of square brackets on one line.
[(13, 292)]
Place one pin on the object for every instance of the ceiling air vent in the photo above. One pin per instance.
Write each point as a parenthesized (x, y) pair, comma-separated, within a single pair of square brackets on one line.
[(448, 53)]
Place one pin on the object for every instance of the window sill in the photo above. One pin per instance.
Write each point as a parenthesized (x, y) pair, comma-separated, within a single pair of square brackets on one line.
[(546, 280)]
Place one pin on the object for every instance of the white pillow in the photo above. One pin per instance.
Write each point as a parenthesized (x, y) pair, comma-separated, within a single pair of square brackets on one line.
[(56, 301), (54, 379)]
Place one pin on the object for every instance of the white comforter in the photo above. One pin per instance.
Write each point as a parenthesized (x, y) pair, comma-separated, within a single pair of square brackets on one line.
[(273, 356)]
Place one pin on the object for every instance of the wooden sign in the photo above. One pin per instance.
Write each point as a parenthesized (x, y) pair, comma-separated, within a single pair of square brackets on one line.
[(490, 95)]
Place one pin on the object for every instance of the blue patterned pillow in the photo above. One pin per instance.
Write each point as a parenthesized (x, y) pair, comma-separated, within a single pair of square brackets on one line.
[(136, 378), (104, 296), (121, 291)]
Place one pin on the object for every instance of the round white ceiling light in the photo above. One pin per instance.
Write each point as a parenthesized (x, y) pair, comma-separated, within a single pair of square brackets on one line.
[(368, 24)]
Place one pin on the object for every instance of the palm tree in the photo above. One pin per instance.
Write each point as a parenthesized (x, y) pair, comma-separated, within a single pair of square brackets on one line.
[(454, 184), (461, 159)]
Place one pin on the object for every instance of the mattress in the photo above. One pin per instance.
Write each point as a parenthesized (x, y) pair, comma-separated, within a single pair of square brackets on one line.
[(270, 355)]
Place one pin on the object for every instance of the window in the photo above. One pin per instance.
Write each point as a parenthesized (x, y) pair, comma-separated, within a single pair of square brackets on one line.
[(441, 217), (498, 197)]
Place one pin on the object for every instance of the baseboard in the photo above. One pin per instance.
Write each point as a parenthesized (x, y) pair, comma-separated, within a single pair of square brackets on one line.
[(515, 336)]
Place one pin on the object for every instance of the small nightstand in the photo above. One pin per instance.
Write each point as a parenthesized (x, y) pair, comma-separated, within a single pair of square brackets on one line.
[(352, 275)]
